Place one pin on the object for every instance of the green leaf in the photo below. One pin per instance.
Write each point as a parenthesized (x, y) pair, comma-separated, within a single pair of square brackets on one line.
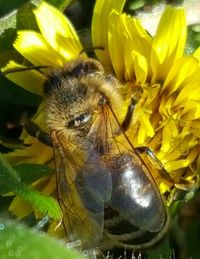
[(192, 237), (26, 18), (13, 94), (29, 173), (10, 6), (193, 39), (45, 204), (8, 176), (134, 5), (14, 101), (18, 241), (8, 22), (20, 18), (161, 251)]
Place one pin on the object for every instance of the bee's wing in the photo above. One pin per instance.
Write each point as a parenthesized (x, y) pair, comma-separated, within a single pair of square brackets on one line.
[(83, 186), (135, 195)]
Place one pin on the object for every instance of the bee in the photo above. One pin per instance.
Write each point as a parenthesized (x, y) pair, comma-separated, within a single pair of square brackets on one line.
[(106, 189)]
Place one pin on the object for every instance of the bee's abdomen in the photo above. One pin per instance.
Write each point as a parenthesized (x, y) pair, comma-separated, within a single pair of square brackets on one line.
[(124, 233), (119, 233), (116, 225)]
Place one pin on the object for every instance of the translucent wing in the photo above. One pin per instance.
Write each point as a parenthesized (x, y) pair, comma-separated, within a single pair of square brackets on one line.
[(100, 173), (84, 185)]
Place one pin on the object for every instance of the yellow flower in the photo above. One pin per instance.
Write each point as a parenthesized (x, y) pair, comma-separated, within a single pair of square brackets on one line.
[(166, 118)]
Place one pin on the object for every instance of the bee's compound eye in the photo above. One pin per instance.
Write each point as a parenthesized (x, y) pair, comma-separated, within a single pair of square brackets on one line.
[(79, 120)]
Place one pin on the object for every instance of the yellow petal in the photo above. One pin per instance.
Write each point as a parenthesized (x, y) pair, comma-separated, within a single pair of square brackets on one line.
[(169, 132), (50, 187), (31, 80), (34, 48), (165, 108), (172, 154), (35, 147), (193, 154), (146, 129), (30, 154), (138, 37), (141, 136), (116, 48), (20, 208), (190, 90), (129, 47), (197, 54), (187, 142), (163, 187), (140, 68), (182, 69), (195, 126), (100, 17), (58, 31), (169, 42), (40, 117), (175, 165), (191, 111)]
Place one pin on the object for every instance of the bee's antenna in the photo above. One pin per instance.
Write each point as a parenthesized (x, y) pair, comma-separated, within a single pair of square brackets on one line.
[(16, 70)]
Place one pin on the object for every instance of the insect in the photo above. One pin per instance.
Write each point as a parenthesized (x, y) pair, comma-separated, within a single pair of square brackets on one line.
[(106, 190)]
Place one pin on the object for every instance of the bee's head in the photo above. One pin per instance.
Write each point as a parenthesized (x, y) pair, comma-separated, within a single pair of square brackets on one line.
[(72, 94), (74, 91)]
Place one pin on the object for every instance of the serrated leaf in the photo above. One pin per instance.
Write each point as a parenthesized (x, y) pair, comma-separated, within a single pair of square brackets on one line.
[(8, 22), (19, 14), (18, 241), (45, 204), (26, 18), (21, 17)]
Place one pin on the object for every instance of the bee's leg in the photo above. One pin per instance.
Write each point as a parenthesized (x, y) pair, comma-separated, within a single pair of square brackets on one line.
[(182, 184), (35, 131), (151, 154), (129, 114)]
